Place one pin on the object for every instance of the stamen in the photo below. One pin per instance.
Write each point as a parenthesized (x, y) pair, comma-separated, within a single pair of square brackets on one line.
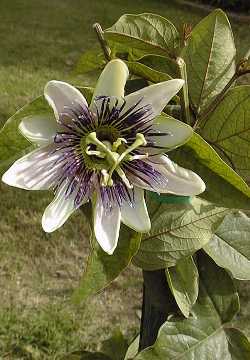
[(92, 139), (118, 143), (138, 157), (95, 153), (140, 141)]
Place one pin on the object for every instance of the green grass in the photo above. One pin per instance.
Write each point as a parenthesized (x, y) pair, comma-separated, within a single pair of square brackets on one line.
[(39, 41)]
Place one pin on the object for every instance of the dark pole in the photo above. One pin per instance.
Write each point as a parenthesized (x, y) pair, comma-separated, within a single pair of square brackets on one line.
[(158, 303)]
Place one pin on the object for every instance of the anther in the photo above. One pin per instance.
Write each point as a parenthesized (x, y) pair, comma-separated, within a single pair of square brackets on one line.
[(95, 153), (118, 143), (137, 157)]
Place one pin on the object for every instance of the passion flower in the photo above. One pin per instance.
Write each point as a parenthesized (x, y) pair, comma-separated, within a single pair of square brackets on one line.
[(108, 152)]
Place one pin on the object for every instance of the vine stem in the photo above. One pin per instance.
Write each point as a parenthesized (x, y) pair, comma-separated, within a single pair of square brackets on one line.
[(104, 45), (158, 304), (184, 91)]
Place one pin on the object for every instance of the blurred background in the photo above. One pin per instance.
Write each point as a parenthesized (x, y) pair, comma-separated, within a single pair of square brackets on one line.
[(41, 40)]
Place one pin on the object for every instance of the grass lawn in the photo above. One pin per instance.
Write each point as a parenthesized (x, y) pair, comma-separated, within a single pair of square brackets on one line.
[(42, 40)]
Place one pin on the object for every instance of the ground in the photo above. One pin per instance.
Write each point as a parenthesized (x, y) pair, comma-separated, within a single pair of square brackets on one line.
[(39, 41)]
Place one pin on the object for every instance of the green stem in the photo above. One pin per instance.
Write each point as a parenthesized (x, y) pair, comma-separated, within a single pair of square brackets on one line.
[(104, 45), (184, 91)]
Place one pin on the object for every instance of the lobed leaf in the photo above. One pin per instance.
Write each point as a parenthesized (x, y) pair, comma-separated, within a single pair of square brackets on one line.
[(210, 59), (178, 230), (149, 33), (238, 344), (144, 71), (183, 280), (224, 186), (227, 129), (229, 247), (219, 288), (133, 348), (160, 63)]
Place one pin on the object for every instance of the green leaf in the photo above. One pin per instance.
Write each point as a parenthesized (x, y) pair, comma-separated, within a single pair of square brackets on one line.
[(183, 280), (102, 268), (160, 63), (149, 33), (210, 59), (229, 247), (12, 143), (224, 186), (116, 346), (228, 129), (178, 230), (146, 72), (133, 348), (134, 85), (238, 344), (204, 335), (219, 287), (92, 60)]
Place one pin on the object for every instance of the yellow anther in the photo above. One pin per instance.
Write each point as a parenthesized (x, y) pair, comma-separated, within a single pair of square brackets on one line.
[(139, 141), (95, 153), (91, 138), (137, 157)]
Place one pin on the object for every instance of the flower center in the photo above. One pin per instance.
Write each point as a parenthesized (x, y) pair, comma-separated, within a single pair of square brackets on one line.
[(111, 155)]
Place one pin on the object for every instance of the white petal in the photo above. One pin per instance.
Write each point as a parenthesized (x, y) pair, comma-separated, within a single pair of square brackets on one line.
[(140, 183), (136, 217), (180, 181), (60, 94), (40, 129), (111, 81), (157, 95), (178, 132), (58, 211), (34, 171), (107, 225)]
